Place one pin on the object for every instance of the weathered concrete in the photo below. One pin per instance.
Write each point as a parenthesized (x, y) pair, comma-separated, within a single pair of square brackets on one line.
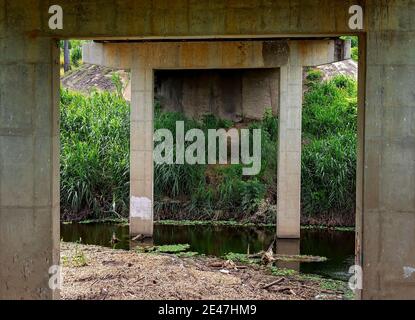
[(288, 247), (301, 53), (29, 167), (386, 157), (386, 209), (228, 94), (141, 152), (289, 148)]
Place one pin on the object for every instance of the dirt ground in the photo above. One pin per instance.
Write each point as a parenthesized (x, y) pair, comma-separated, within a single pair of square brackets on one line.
[(97, 273)]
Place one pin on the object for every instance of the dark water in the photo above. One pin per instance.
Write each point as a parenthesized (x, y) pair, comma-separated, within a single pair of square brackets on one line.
[(337, 246)]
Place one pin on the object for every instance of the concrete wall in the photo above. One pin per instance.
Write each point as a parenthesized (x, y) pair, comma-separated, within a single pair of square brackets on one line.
[(386, 157), (228, 94)]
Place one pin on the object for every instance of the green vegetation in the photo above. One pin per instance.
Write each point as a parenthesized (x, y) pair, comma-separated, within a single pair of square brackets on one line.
[(231, 223), (314, 75), (355, 46), (75, 53), (324, 283), (329, 151), (95, 161), (76, 259), (239, 257), (94, 156), (282, 272), (170, 248), (329, 284)]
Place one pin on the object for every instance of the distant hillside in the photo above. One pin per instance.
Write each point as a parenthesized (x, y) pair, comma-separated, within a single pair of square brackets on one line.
[(90, 77)]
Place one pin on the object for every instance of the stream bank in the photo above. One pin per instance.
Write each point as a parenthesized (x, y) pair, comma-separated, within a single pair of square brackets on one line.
[(222, 239), (98, 273)]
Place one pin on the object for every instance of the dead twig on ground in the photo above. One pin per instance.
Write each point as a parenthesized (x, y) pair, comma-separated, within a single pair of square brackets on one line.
[(273, 283)]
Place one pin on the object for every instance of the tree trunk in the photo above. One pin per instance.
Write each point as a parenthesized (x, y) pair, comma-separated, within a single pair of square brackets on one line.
[(67, 63)]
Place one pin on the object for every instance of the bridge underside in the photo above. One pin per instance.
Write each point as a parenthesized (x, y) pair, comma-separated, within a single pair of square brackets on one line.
[(29, 117), (289, 57)]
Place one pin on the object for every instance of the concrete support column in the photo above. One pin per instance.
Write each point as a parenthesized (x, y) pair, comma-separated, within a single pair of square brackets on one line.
[(289, 149), (386, 165), (141, 152), (29, 166)]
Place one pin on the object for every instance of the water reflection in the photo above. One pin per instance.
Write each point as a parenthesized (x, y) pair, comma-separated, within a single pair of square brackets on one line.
[(290, 247), (338, 247)]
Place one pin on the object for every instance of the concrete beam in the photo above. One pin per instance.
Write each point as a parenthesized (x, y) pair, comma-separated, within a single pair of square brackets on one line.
[(166, 19)]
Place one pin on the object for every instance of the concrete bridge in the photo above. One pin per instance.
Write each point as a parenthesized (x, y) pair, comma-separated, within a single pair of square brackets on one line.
[(281, 58), (29, 114)]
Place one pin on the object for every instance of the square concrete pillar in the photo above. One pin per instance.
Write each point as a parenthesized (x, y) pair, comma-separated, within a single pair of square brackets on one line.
[(29, 167), (289, 150), (386, 180), (141, 152)]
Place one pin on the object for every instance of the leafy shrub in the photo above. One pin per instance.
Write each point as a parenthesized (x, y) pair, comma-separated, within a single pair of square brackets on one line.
[(252, 192), (314, 75), (355, 53), (76, 56), (330, 107)]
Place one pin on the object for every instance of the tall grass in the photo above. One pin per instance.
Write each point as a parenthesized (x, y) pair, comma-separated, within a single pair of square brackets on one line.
[(94, 155), (329, 150)]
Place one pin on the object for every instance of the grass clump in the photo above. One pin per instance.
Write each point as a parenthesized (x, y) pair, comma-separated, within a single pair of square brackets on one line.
[(171, 248), (239, 257), (76, 259)]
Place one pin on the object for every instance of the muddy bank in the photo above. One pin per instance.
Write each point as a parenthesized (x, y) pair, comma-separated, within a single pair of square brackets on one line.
[(92, 272)]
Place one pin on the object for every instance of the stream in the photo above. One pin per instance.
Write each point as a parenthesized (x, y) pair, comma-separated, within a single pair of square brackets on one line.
[(337, 246)]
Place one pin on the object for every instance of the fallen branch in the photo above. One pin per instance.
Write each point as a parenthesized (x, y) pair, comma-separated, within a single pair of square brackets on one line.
[(287, 258), (273, 283)]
